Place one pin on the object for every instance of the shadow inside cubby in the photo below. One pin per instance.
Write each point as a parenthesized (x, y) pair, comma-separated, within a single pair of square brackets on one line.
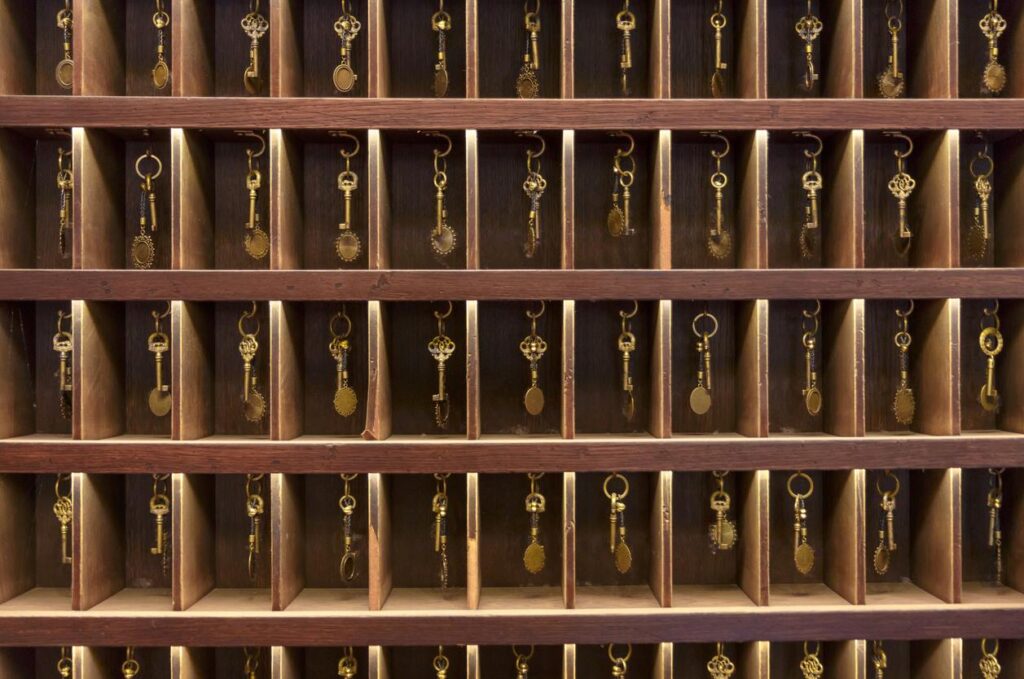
[(840, 659), (832, 49), (211, 663), (597, 50), (979, 559), (917, 658), (693, 200), (317, 662), (320, 48), (505, 533), (693, 49), (505, 372), (733, 350), (33, 47), (831, 525), (544, 661), (833, 242), (929, 362), (312, 542), (410, 326), (30, 370), (33, 575), (644, 659), (691, 660), (595, 181), (1009, 366), (501, 30), (415, 568), (417, 662), (834, 362), (214, 535), (412, 44), (705, 576), (922, 529), (505, 207), (600, 399), (929, 219), (924, 65), (107, 661), (412, 215), (30, 663), (30, 212), (974, 49), (1005, 245), (1010, 655), (599, 582)]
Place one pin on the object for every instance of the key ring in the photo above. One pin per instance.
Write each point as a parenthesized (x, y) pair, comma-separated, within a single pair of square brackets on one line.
[(711, 319), (440, 660), (148, 155), (896, 487), (515, 649), (246, 315), (348, 665), (252, 660), (620, 661), (252, 484), (984, 157), (893, 19), (534, 315), (620, 496), (800, 496), (342, 315), (995, 647)]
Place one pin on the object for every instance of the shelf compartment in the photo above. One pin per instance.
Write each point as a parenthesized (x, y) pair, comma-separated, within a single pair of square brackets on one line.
[(973, 49), (928, 63), (937, 659), (410, 49), (546, 661), (210, 663), (95, 662), (214, 51), (596, 71), (841, 659), (653, 661), (1011, 655), (500, 28), (693, 48), (33, 45), (1006, 243), (1009, 363), (30, 662), (311, 662), (749, 658), (417, 662), (835, 50), (978, 558)]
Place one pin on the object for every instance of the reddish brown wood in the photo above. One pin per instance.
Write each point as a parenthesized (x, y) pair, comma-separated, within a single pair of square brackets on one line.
[(98, 539)]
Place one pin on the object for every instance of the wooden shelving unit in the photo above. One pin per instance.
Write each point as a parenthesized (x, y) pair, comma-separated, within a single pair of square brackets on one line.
[(679, 599)]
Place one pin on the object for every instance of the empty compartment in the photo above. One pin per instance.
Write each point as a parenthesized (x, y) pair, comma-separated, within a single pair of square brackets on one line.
[(210, 663), (598, 49), (932, 659), (985, 579), (921, 569), (719, 572), (1000, 156), (974, 50), (313, 57), (33, 48), (505, 241), (1001, 407), (814, 367), (749, 659), (35, 575), (833, 27), (929, 361), (696, 243), (839, 659), (317, 572), (832, 526), (31, 163), (924, 48), (502, 30), (693, 49), (418, 662), (512, 575), (411, 45), (931, 224), (107, 661)]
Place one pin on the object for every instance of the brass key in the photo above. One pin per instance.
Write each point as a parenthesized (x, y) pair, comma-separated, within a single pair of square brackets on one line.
[(720, 666), (812, 184), (808, 29), (879, 659), (533, 555), (625, 23), (441, 22), (700, 397), (991, 342), (143, 247), (255, 26), (159, 344), (886, 528), (891, 82), (159, 507), (533, 186), (347, 27), (441, 348), (811, 392), (348, 666), (161, 73), (256, 241), (719, 239), (130, 668), (65, 187), (255, 406), (901, 186), (803, 553), (994, 501), (989, 664), (903, 403), (63, 510), (993, 25), (617, 523), (345, 398), (623, 173), (442, 236), (718, 22), (522, 662), (347, 505), (254, 510), (810, 665), (626, 345), (980, 234), (722, 532), (66, 67), (527, 82), (347, 245), (439, 506), (63, 344), (533, 348)]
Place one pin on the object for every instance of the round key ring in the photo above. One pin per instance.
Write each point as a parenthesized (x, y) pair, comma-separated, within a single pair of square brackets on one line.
[(247, 315), (625, 486), (440, 660), (894, 490), (155, 160), (348, 665), (619, 662), (713, 330), (810, 485)]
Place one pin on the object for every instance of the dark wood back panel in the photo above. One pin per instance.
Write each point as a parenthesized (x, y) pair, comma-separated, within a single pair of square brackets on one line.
[(592, 660), (321, 48), (598, 47), (17, 339), (47, 205), (315, 663), (231, 662), (142, 569), (415, 564)]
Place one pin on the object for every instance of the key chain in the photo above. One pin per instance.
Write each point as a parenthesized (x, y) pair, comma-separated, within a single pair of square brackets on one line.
[(255, 405), (255, 26), (533, 186), (808, 29), (978, 236), (439, 507), (533, 556), (347, 245), (528, 80), (256, 241), (891, 82), (811, 392), (623, 174), (345, 398), (254, 510), (720, 666), (159, 508), (991, 342), (722, 532), (901, 186), (347, 27), (161, 71), (441, 23), (533, 348), (812, 183), (719, 238), (700, 397), (347, 504), (617, 546), (63, 345), (66, 67), (879, 659), (143, 247), (803, 553), (65, 188), (441, 348), (903, 402), (626, 345), (886, 525)]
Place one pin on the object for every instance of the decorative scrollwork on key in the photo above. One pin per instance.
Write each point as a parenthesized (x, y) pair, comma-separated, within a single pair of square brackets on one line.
[(901, 185), (533, 348), (65, 193), (993, 25), (255, 26), (254, 505), (989, 664), (808, 29), (811, 666), (979, 233), (722, 532), (63, 511), (160, 508), (626, 346), (255, 406), (441, 348), (533, 186), (63, 345), (347, 27), (720, 666), (623, 175)]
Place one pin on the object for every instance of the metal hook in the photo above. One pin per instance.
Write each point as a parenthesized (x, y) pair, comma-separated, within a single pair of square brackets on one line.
[(717, 134), (993, 311), (60, 319), (816, 138), (901, 137), (439, 316), (246, 315), (250, 134), (532, 134), (439, 135), (816, 312), (343, 314), (628, 137), (631, 314), (910, 310), (157, 315), (535, 315), (341, 134), (896, 484)]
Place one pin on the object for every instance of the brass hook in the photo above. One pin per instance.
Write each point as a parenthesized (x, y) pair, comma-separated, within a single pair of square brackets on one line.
[(532, 134), (157, 316), (910, 310), (246, 315), (630, 314), (993, 311), (816, 139), (717, 134), (901, 137), (439, 135), (250, 134), (439, 316), (535, 315), (816, 312), (60, 319), (619, 153), (341, 134), (896, 484), (343, 315), (148, 155)]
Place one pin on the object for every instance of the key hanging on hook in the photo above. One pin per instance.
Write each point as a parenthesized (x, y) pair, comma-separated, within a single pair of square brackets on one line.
[(441, 23), (808, 29), (979, 234), (904, 403), (528, 80), (620, 663), (347, 504), (901, 186), (255, 26), (158, 343), (812, 184), (442, 235), (803, 553), (533, 186), (439, 508), (255, 406), (811, 324), (65, 188), (718, 22), (143, 246), (441, 664), (722, 532), (347, 28), (161, 72), (347, 245), (65, 666), (533, 348), (63, 511), (63, 345), (719, 238), (623, 174), (348, 666), (891, 81), (340, 348), (66, 67), (720, 666), (810, 665), (886, 522), (130, 668), (254, 510), (993, 25), (252, 662), (705, 326), (626, 345), (989, 664), (441, 348), (617, 546), (991, 342), (159, 508), (879, 659), (625, 23), (256, 241), (522, 662), (533, 555)]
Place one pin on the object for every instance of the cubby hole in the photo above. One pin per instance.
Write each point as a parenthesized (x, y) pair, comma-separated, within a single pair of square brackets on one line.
[(214, 199), (30, 210), (505, 207), (34, 45), (601, 403), (410, 326), (412, 44), (835, 362), (593, 660), (979, 559), (219, 49), (308, 372), (691, 660), (923, 48), (832, 49), (599, 582), (414, 567), (831, 532), (211, 663), (597, 48), (839, 216), (505, 372), (920, 570), (417, 662), (595, 181), (693, 49), (693, 200), (319, 48), (929, 219), (705, 576), (973, 46), (107, 661), (1010, 656), (412, 215), (30, 663), (213, 536), (1006, 207), (33, 575), (918, 658), (30, 369), (734, 367), (544, 661), (930, 362), (316, 662), (502, 32), (312, 543), (841, 659), (505, 534), (1009, 366)]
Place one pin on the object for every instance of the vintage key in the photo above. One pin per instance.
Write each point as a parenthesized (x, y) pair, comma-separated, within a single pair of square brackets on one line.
[(347, 505), (254, 510), (347, 27), (617, 523), (527, 82), (722, 532), (252, 663), (700, 397), (442, 235), (989, 664), (891, 81), (879, 659), (626, 345), (533, 186), (808, 29), (441, 664), (63, 345), (979, 234), (522, 662), (130, 668), (718, 22), (255, 406), (257, 244), (158, 344), (994, 500), (143, 246), (441, 22), (991, 342), (66, 67), (345, 398), (811, 392), (901, 186), (159, 507), (625, 22), (620, 663), (63, 510), (533, 348), (992, 26), (347, 244), (65, 666), (623, 174), (533, 555), (441, 348), (255, 26), (65, 187), (803, 553), (812, 184), (720, 666), (439, 506), (886, 528), (161, 72), (810, 665), (719, 239), (903, 403), (348, 666)]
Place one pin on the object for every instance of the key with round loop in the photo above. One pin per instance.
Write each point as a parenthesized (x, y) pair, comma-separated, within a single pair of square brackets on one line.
[(528, 82), (700, 397), (536, 504), (63, 511), (617, 547), (441, 23), (66, 67), (891, 81), (161, 73), (904, 403), (623, 174), (979, 235), (254, 506), (347, 27), (803, 553), (533, 186), (63, 345), (348, 666), (886, 524), (718, 22), (625, 23), (255, 26), (626, 345), (255, 407), (65, 188), (901, 186), (812, 184), (719, 238), (722, 532), (345, 399), (439, 507), (811, 391), (256, 241), (991, 343)]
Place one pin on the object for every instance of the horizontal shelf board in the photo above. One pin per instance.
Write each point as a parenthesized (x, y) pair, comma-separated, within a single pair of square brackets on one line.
[(580, 114), (427, 285), (531, 626), (137, 455)]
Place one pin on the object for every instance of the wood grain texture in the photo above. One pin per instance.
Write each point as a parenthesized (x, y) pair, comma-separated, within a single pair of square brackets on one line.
[(473, 535), (99, 335), (99, 48), (287, 223), (569, 540), (192, 200), (661, 539), (845, 566), (98, 200), (17, 566), (935, 533), (378, 392), (98, 532), (287, 539), (192, 49), (378, 197), (17, 196), (379, 543), (193, 539)]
